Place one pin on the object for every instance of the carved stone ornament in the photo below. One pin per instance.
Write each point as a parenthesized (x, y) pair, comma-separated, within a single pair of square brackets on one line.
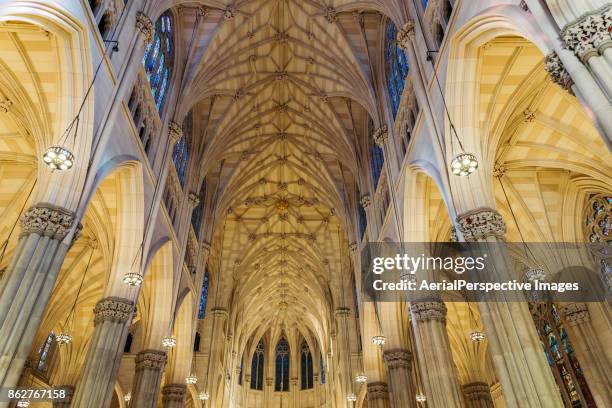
[(590, 34), (331, 15), (194, 200), (151, 360), (219, 312), (145, 27), (352, 246), (380, 136), (398, 358), (175, 132), (5, 105), (229, 13), (365, 201), (47, 220), (377, 391), (403, 36), (557, 72), (174, 393), (343, 312), (575, 313), (477, 391), (481, 223), (113, 309), (423, 311)]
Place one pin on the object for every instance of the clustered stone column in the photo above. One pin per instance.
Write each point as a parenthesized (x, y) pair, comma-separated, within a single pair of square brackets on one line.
[(435, 359), (514, 345), (149, 367), (590, 351), (27, 283), (111, 324), (399, 365), (478, 395), (378, 395), (173, 395)]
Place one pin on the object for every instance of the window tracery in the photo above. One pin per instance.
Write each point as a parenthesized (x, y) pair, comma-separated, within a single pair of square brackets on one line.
[(257, 367), (598, 219), (396, 67), (282, 366), (306, 366), (159, 57)]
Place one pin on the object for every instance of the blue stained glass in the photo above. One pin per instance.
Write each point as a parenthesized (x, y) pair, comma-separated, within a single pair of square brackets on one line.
[(257, 367), (356, 301), (363, 222), (396, 67), (203, 297), (198, 212), (158, 59), (424, 3), (282, 366), (322, 369), (378, 160)]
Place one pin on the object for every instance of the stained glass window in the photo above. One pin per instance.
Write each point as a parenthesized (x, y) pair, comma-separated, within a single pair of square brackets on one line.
[(322, 369), (282, 366), (424, 3), (396, 67), (363, 221), (356, 300), (306, 367), (240, 373), (560, 356), (203, 297), (378, 160), (598, 219), (198, 212), (257, 367), (180, 155), (159, 57), (45, 352)]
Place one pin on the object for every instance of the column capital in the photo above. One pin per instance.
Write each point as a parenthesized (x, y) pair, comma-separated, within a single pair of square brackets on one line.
[(477, 391), (194, 200), (219, 312), (174, 393), (113, 309), (47, 220), (557, 72), (365, 200), (269, 381), (175, 132), (398, 358), (381, 135), (151, 359), (353, 246), (377, 391), (575, 313), (405, 34), (145, 27), (69, 393), (589, 34), (294, 381), (331, 15), (342, 312), (432, 310), (481, 223), (5, 105)]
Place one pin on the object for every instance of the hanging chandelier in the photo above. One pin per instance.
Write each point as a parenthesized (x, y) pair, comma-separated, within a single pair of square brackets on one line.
[(204, 396), (191, 379), (361, 378), (379, 340), (23, 403), (58, 158), (351, 397), (169, 342), (464, 164), (127, 397), (535, 274), (132, 279), (477, 336), (421, 398), (63, 338)]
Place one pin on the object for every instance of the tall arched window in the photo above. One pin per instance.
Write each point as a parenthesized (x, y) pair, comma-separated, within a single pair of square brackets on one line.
[(257, 367), (198, 212), (203, 296), (363, 221), (282, 366), (322, 368), (180, 155), (306, 366), (45, 353), (560, 356), (396, 67), (159, 57)]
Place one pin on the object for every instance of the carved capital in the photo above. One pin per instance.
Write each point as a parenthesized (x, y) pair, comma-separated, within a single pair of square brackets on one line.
[(5, 105), (398, 358), (378, 391), (365, 200), (342, 312), (269, 381), (405, 34), (557, 72), (575, 313), (481, 223), (229, 13), (174, 393), (331, 15), (151, 360), (423, 311), (590, 34), (477, 391), (380, 136), (113, 309), (194, 200), (145, 27), (175, 132), (353, 246), (47, 220), (219, 312)]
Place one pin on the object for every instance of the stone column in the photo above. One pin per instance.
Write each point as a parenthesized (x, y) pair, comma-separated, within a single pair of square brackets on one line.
[(399, 365), (514, 345), (27, 284), (590, 351), (173, 396), (478, 395), (111, 324), (268, 390), (149, 367), (434, 352), (67, 400), (378, 395)]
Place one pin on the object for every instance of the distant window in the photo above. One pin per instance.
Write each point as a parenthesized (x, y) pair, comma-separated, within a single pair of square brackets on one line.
[(45, 352), (198, 213), (306, 366), (257, 367), (196, 342), (159, 58), (322, 369), (203, 296), (282, 366), (128, 343), (396, 67), (182, 148)]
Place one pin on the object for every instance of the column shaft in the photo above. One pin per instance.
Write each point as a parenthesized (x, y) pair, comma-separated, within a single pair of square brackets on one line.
[(65, 402), (399, 365), (111, 323), (149, 367), (478, 395)]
